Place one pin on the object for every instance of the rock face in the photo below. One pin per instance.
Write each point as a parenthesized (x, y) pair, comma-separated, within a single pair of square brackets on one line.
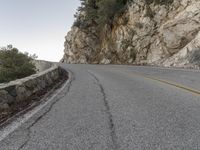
[(167, 35)]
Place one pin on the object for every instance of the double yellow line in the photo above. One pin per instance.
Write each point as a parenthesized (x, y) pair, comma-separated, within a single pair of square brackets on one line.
[(174, 84), (188, 89)]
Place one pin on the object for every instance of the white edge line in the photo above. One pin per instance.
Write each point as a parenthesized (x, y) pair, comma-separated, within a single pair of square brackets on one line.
[(10, 128)]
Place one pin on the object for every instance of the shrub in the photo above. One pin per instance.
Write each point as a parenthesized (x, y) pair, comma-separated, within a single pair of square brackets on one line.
[(107, 10), (14, 64), (195, 57), (101, 12), (159, 2)]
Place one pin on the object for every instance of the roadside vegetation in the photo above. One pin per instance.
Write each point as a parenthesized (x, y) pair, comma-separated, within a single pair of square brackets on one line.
[(15, 64), (195, 57), (99, 12), (103, 12), (160, 2)]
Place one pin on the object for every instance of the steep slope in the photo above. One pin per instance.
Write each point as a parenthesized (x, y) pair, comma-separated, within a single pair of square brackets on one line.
[(167, 35)]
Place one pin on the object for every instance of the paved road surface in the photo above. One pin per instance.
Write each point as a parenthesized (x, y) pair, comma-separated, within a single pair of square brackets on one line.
[(117, 108)]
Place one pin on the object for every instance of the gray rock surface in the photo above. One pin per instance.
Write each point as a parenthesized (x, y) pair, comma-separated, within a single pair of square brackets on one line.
[(144, 34)]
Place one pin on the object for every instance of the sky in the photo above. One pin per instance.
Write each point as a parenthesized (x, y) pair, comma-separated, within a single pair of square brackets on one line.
[(37, 26)]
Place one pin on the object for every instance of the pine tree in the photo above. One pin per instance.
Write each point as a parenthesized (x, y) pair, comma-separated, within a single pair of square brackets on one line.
[(14, 64)]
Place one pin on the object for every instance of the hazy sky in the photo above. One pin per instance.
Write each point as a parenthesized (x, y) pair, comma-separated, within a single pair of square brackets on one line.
[(37, 26)]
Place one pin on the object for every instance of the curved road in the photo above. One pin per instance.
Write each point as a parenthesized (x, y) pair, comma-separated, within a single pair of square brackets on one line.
[(112, 107)]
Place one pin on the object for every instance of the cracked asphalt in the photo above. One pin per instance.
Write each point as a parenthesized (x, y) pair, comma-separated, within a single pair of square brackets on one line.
[(111, 107)]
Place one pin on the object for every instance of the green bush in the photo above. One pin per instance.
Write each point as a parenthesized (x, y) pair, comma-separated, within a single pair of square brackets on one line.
[(104, 11), (107, 10), (14, 64), (101, 12)]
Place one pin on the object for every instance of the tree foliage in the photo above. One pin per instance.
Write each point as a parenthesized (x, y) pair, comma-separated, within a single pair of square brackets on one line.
[(14, 64), (100, 12), (103, 12)]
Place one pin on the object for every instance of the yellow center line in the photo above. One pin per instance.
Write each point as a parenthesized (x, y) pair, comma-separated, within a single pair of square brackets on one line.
[(188, 89), (174, 84)]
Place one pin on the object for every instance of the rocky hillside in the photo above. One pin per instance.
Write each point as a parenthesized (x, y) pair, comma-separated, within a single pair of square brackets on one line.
[(144, 33)]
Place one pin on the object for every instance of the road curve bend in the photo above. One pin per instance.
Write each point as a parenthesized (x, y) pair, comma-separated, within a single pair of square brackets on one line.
[(112, 107)]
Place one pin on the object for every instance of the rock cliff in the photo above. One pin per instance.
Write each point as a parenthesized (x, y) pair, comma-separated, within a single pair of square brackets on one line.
[(167, 35)]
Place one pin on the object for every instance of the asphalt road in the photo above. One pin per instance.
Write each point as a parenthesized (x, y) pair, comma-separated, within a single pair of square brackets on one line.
[(117, 108)]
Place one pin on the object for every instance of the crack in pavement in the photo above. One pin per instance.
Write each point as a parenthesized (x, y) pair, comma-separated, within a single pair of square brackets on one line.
[(110, 116), (46, 112)]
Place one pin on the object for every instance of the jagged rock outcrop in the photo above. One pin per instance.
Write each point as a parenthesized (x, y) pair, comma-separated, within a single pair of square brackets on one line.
[(167, 35)]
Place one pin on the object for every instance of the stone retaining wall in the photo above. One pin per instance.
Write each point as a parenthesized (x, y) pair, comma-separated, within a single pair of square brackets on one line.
[(22, 89), (42, 65)]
